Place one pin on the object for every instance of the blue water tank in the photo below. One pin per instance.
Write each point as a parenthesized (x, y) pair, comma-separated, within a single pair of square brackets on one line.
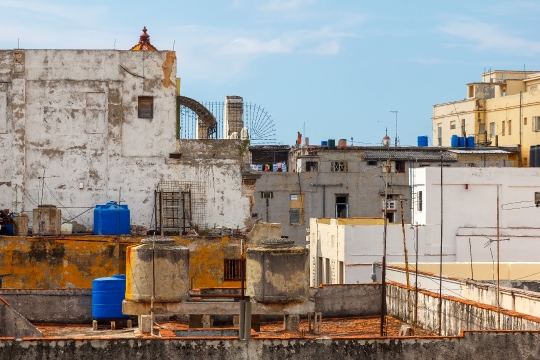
[(107, 296), (423, 141), (111, 219), (454, 142), (461, 141), (470, 141), (324, 143)]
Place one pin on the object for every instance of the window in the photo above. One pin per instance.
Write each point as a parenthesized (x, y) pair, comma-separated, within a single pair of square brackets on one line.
[(320, 269), (312, 166), (328, 277), (452, 124), (338, 166), (372, 163), (524, 121), (254, 215), (400, 166), (536, 123), (439, 135), (524, 161), (233, 269), (295, 216), (341, 279), (342, 206), (509, 127), (424, 165), (267, 194), (503, 128), (537, 199), (492, 129), (294, 197), (146, 107), (471, 91), (420, 201)]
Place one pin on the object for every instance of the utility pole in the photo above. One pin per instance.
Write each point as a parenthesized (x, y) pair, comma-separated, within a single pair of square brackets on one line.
[(406, 254), (416, 281), (440, 253), (383, 292), (498, 267), (396, 140), (520, 162)]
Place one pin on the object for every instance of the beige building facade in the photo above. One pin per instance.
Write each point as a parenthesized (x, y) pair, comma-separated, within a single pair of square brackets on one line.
[(501, 110)]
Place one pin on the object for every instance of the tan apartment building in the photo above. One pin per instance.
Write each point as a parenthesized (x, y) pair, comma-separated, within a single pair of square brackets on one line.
[(501, 110)]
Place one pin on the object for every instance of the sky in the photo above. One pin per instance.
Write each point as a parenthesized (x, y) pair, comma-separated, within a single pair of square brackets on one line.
[(334, 68)]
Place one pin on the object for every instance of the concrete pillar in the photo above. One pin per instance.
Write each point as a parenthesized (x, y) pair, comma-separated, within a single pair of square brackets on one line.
[(291, 322), (145, 324)]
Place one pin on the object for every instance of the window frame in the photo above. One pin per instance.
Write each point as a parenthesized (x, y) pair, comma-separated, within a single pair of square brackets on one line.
[(141, 100), (233, 269), (339, 166)]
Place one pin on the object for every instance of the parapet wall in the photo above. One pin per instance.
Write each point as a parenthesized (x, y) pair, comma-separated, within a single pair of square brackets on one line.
[(473, 345), (457, 314)]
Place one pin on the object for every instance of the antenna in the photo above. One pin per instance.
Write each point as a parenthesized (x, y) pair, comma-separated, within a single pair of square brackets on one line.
[(174, 42), (114, 46), (396, 140)]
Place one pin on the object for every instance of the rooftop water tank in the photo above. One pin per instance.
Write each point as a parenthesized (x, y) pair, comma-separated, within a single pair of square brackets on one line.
[(537, 156), (171, 271), (342, 143), (470, 141), (454, 142), (277, 272), (423, 141), (107, 296), (331, 144), (532, 156), (324, 143), (111, 219), (461, 141)]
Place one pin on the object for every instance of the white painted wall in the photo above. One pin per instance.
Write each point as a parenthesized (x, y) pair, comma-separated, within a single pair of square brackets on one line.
[(73, 114), (470, 211)]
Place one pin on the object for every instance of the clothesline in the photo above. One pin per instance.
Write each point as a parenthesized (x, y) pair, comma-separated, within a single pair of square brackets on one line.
[(276, 167)]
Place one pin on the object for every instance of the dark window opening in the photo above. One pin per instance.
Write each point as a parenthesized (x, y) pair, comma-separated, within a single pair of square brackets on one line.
[(536, 200), (400, 166), (320, 279), (254, 215), (420, 201), (233, 269), (338, 166), (390, 217), (146, 107), (328, 277), (372, 163), (295, 216), (342, 206), (312, 166), (267, 194)]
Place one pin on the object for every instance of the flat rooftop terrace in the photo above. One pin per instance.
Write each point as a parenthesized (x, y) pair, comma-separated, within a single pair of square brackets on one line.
[(355, 327)]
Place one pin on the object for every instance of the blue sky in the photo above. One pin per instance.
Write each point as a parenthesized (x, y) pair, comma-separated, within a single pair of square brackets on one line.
[(339, 67)]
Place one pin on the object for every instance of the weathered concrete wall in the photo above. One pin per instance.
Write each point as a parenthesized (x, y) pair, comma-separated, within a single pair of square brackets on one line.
[(348, 300), (51, 306), (13, 324), (73, 114), (473, 345), (72, 262), (457, 314)]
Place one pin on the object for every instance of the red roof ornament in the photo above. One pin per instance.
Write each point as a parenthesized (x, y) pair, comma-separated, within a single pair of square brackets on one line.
[(144, 42)]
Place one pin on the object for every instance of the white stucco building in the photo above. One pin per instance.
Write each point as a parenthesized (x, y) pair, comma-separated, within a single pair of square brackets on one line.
[(97, 123), (341, 250)]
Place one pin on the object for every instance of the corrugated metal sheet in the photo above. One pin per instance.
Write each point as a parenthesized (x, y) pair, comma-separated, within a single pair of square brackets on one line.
[(482, 151), (408, 155)]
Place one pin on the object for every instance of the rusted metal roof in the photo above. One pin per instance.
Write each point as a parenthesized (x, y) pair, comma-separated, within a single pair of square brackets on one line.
[(408, 155)]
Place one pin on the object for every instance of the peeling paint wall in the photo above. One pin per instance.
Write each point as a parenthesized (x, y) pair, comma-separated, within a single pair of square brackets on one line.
[(71, 116), (72, 262)]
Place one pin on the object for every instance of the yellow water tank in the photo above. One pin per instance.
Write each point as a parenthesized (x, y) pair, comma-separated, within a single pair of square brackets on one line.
[(157, 261), (277, 272)]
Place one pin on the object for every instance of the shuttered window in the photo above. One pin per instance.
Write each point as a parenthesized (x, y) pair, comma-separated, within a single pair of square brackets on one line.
[(146, 107), (233, 269)]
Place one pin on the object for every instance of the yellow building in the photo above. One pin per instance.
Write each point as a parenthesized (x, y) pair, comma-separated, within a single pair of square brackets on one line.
[(501, 110)]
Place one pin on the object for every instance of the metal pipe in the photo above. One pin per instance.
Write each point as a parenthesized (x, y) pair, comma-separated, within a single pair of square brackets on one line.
[(498, 267), (416, 282)]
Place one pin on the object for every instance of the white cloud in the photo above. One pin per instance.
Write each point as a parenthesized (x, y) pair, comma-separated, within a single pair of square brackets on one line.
[(490, 37), (284, 5)]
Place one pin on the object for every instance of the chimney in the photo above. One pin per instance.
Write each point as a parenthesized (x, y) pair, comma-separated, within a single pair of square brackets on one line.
[(232, 117)]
